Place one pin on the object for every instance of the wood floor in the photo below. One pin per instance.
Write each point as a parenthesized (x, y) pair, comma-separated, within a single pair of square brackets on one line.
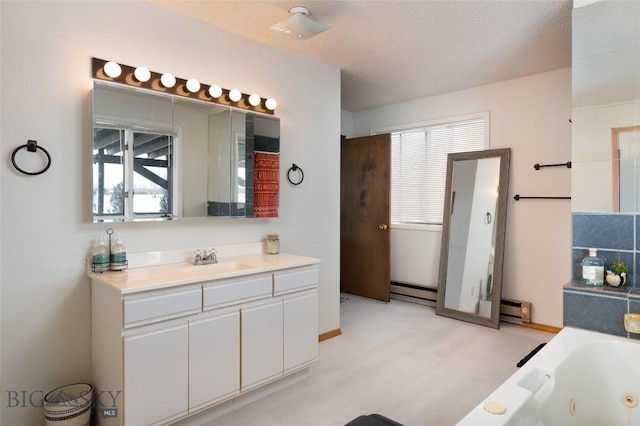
[(399, 360)]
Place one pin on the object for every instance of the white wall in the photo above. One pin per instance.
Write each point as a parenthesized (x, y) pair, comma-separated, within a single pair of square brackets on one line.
[(531, 116), (46, 50)]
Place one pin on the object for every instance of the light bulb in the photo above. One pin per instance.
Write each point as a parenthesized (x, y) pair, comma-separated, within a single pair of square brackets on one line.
[(142, 74), (215, 91), (193, 85), (168, 80), (271, 104), (112, 69), (254, 99), (235, 95)]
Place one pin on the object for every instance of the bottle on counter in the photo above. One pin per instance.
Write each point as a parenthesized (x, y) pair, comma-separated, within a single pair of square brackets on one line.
[(100, 256), (593, 269), (118, 256), (273, 244)]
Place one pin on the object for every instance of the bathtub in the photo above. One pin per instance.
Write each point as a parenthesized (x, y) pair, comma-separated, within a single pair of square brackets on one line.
[(579, 378)]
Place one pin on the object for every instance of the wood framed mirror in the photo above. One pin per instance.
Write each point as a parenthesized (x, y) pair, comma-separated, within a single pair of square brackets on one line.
[(473, 233), (626, 183)]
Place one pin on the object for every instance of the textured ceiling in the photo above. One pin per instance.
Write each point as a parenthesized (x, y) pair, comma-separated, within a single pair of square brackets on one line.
[(395, 51)]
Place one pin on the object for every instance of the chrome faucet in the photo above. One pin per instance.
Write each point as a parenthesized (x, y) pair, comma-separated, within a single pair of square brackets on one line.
[(206, 258)]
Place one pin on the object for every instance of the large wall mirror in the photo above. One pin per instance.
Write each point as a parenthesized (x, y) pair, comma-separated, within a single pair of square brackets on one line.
[(473, 232), (606, 107), (163, 157)]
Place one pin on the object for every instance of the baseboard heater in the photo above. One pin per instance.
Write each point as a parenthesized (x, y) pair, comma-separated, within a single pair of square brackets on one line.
[(513, 311)]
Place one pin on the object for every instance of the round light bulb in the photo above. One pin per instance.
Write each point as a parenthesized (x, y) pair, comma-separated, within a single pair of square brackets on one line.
[(271, 104), (193, 85), (112, 69), (142, 74), (215, 91), (254, 99), (235, 95), (168, 80)]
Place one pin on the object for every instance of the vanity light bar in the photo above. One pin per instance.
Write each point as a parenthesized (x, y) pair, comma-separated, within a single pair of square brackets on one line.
[(166, 83)]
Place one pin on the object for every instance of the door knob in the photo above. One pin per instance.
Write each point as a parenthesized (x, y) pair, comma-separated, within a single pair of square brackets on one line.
[(383, 226)]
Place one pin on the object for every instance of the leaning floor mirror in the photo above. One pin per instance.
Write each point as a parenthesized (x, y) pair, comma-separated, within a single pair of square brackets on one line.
[(473, 233)]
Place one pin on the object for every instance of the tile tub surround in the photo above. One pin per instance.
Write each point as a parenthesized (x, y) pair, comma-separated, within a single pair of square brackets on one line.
[(599, 308), (612, 234), (603, 308)]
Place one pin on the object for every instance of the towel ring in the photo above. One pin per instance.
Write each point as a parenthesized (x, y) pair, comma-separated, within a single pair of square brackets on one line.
[(32, 146), (295, 168)]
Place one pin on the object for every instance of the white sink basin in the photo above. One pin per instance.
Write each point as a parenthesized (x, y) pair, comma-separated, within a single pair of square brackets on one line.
[(223, 266)]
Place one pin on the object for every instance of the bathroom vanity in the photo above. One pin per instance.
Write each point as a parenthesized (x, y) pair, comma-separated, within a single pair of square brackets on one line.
[(171, 340)]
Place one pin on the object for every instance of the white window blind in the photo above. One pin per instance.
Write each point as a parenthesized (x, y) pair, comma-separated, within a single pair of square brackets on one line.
[(419, 166)]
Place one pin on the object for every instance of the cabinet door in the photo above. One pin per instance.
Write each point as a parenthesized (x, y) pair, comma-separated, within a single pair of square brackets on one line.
[(300, 330), (156, 375), (261, 343), (214, 359)]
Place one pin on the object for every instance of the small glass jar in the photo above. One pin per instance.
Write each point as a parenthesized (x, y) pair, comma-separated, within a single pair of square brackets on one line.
[(273, 244)]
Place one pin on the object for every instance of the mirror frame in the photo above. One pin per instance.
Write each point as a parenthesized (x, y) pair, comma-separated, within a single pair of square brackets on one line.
[(500, 228), (615, 163), (261, 134)]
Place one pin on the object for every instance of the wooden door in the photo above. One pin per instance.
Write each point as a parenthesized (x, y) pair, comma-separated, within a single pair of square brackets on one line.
[(365, 180)]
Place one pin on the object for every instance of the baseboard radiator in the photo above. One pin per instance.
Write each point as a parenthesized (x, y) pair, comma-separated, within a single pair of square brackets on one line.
[(513, 311)]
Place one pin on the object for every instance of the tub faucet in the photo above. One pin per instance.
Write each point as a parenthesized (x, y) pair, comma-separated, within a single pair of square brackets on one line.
[(206, 258)]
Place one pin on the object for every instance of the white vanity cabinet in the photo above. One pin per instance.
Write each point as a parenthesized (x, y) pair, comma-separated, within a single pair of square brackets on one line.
[(298, 288), (156, 374), (262, 343), (161, 354), (214, 358), (300, 330)]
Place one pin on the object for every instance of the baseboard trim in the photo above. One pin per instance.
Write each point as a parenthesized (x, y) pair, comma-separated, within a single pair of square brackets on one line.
[(329, 334), (542, 327)]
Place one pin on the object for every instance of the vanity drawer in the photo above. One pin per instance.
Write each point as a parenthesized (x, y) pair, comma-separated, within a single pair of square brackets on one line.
[(224, 293), (295, 280), (161, 305)]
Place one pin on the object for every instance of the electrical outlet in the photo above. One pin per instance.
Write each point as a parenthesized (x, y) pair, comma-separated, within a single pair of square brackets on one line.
[(525, 310), (632, 323)]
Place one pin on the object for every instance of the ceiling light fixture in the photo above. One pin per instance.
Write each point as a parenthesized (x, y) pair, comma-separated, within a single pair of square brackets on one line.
[(254, 99), (112, 69), (235, 95), (168, 80), (142, 74), (299, 25), (215, 91), (271, 104), (193, 85), (143, 78)]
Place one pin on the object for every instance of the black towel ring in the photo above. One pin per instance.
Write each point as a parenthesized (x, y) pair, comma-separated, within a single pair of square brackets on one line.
[(32, 146), (295, 168)]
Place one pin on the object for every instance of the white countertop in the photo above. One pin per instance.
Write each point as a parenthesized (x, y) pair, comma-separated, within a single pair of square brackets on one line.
[(161, 276)]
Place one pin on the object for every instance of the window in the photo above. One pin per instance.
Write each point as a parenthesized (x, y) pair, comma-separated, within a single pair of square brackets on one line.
[(133, 173), (419, 164)]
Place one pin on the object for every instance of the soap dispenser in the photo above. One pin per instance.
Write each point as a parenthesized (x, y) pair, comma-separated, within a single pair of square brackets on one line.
[(593, 269), (100, 256), (118, 256)]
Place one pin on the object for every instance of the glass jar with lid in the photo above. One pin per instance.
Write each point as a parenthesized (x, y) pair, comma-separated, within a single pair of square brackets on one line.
[(273, 244)]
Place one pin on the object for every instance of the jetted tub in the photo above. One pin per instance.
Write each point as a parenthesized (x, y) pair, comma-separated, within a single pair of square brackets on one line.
[(579, 378)]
